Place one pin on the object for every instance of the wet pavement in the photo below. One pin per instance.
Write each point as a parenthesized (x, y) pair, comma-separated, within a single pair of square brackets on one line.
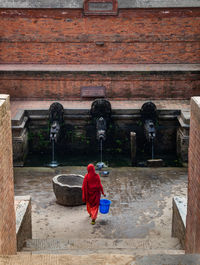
[(141, 203)]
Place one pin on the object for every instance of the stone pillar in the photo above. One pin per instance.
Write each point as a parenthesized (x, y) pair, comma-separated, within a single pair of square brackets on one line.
[(7, 210), (182, 139), (19, 138), (192, 243), (133, 148)]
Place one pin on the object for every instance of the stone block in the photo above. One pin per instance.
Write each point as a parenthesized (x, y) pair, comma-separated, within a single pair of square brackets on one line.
[(179, 208), (155, 163), (23, 220), (68, 189)]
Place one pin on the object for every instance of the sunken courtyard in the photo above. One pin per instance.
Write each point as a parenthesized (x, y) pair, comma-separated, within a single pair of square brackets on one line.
[(115, 83)]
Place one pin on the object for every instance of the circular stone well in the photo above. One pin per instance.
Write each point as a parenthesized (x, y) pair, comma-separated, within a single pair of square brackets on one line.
[(67, 189)]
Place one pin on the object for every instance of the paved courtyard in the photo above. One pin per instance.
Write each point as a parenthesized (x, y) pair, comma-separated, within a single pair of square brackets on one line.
[(141, 204)]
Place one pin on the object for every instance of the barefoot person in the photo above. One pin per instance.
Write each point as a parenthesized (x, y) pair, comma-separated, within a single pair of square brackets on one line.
[(91, 192)]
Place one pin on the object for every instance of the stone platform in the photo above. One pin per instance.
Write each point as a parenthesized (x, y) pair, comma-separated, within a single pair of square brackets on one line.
[(179, 219), (174, 116), (17, 106), (140, 214), (23, 220)]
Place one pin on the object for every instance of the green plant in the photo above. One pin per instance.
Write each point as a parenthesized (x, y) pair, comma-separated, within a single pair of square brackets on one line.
[(119, 142)]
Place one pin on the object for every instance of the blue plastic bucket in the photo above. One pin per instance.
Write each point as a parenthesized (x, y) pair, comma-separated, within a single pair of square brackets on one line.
[(104, 206)]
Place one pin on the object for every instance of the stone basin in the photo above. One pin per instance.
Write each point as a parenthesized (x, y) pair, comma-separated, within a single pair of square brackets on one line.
[(67, 189)]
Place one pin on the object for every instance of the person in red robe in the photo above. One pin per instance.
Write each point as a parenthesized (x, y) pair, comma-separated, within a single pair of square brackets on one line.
[(91, 192)]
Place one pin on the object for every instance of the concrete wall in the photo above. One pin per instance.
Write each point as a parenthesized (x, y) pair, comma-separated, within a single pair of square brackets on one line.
[(193, 213), (7, 211)]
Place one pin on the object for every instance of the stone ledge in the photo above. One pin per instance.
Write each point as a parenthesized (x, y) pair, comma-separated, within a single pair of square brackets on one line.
[(100, 68), (195, 107), (23, 219), (79, 3), (179, 219), (4, 105)]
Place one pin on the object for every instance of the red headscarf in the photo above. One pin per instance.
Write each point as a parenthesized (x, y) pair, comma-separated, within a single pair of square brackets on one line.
[(92, 188)]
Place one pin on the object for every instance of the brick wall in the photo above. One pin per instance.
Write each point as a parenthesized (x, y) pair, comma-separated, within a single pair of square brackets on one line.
[(127, 85), (193, 212), (134, 36), (7, 212), (67, 37)]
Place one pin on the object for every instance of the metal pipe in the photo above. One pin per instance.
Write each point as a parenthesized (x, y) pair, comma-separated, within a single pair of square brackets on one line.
[(53, 152), (152, 148), (101, 147)]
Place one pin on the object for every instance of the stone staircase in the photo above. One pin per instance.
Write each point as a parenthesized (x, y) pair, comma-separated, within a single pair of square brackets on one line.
[(101, 251), (135, 246)]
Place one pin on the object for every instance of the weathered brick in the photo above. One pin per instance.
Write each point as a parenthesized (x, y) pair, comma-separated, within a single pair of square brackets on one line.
[(66, 36), (193, 214), (7, 211), (134, 36), (67, 86)]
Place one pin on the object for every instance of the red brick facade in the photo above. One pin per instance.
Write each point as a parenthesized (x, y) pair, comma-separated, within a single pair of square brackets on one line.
[(134, 36), (66, 85), (7, 211), (193, 212)]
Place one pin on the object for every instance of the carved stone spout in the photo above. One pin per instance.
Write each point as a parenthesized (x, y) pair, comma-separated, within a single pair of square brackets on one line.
[(150, 130), (56, 113), (149, 117), (54, 131), (101, 114), (101, 129)]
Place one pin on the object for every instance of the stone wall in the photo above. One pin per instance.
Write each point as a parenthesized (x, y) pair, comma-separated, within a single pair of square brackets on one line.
[(193, 213), (7, 211)]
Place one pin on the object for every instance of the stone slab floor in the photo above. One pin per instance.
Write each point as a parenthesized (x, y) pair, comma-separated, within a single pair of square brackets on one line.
[(141, 205)]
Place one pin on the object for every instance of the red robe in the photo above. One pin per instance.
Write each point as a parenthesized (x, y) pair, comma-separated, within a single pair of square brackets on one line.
[(91, 191)]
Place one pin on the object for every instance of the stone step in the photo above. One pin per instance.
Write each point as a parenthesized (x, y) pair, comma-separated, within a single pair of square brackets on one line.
[(122, 251), (100, 259), (97, 245)]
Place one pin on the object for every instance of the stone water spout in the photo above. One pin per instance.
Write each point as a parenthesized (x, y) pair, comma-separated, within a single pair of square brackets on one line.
[(149, 118), (56, 112), (101, 114), (101, 129)]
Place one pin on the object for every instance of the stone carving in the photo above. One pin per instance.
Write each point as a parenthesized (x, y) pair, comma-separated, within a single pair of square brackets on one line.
[(101, 113), (149, 117), (148, 111), (68, 189), (100, 7), (101, 128), (56, 112), (101, 108)]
